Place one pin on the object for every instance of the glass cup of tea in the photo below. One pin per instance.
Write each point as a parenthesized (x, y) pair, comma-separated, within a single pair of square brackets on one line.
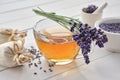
[(55, 42)]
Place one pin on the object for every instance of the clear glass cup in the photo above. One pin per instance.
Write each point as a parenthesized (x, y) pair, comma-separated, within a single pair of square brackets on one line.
[(57, 47)]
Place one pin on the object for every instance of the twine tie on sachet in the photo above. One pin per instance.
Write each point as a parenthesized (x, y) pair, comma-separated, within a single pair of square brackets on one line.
[(20, 55), (14, 34)]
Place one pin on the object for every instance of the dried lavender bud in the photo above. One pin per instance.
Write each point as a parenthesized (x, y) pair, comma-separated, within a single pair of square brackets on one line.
[(40, 68), (51, 64), (50, 70), (30, 64), (32, 50), (44, 71), (35, 65), (35, 73)]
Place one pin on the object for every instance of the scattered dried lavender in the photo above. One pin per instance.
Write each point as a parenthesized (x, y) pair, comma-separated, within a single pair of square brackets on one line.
[(110, 27), (45, 71), (35, 64), (40, 68), (37, 55), (50, 70), (30, 64), (35, 73), (51, 64), (90, 9)]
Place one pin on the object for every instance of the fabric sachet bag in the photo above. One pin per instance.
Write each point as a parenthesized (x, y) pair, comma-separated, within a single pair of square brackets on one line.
[(12, 51)]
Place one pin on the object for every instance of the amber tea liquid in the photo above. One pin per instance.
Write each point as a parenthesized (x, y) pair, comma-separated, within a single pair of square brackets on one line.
[(59, 50)]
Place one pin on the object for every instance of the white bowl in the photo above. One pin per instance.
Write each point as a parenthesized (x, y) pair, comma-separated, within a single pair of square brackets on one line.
[(113, 44)]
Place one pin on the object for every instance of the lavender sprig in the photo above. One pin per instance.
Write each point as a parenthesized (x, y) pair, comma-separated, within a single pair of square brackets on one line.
[(62, 20), (83, 34)]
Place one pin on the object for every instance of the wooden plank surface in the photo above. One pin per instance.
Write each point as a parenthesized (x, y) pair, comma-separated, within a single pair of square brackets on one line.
[(18, 14)]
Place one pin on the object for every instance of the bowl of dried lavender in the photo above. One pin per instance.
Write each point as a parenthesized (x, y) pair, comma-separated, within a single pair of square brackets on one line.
[(111, 27)]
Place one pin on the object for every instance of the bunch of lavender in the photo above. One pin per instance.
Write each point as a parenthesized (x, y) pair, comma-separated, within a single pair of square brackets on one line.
[(83, 34)]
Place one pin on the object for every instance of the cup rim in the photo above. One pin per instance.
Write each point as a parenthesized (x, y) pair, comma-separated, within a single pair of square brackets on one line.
[(34, 29), (97, 23)]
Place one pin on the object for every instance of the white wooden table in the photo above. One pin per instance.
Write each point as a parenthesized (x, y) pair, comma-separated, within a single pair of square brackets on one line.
[(18, 14)]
